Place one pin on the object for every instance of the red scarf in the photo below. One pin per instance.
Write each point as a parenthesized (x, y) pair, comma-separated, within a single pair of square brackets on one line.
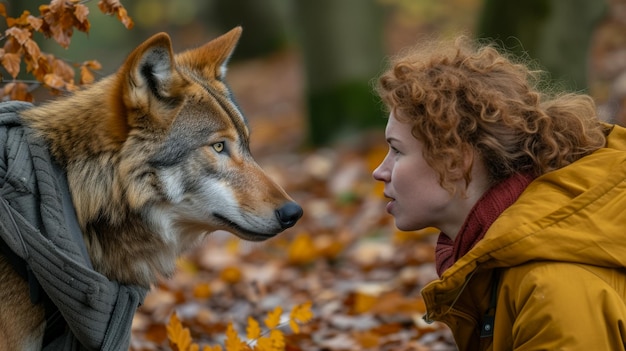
[(497, 199)]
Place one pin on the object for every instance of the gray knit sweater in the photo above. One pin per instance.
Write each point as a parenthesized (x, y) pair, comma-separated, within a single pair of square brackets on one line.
[(38, 223)]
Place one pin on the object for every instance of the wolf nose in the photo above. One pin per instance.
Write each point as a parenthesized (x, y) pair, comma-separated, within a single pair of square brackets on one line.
[(288, 214)]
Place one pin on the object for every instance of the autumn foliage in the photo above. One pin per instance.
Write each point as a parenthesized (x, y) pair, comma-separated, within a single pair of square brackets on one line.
[(56, 20), (272, 339)]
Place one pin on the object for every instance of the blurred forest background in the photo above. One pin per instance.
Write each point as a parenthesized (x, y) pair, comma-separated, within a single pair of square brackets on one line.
[(303, 73)]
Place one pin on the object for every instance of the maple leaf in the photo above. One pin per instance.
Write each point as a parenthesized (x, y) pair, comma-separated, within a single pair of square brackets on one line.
[(254, 330), (273, 318)]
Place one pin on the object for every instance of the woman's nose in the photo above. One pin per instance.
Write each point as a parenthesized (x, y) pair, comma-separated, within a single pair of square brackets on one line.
[(381, 173)]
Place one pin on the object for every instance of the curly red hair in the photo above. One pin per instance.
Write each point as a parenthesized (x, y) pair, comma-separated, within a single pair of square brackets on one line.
[(461, 97)]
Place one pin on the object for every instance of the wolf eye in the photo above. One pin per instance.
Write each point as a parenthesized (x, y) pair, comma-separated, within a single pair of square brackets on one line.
[(218, 147)]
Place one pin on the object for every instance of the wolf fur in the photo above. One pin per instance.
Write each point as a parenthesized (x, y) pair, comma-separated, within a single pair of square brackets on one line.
[(157, 156)]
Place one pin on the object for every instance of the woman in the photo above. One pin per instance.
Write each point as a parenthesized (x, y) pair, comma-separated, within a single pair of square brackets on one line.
[(528, 190)]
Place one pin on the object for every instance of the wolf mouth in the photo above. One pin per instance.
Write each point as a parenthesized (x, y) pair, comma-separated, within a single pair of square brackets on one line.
[(242, 232)]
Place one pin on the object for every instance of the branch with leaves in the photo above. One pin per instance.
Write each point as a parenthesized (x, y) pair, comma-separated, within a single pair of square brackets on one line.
[(271, 340), (57, 20)]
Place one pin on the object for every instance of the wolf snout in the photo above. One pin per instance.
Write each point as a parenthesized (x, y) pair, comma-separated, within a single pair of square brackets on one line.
[(288, 214)]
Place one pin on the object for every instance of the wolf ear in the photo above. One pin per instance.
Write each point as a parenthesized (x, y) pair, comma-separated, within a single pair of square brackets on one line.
[(148, 86), (210, 59)]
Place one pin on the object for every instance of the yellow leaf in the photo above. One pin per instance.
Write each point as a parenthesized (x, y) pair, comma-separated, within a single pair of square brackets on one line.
[(274, 342), (231, 275), (273, 318), (294, 326), (233, 342), (300, 314), (202, 291), (302, 250), (212, 348), (253, 331)]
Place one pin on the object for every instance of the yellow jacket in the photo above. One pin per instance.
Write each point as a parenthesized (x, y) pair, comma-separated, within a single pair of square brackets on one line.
[(560, 251)]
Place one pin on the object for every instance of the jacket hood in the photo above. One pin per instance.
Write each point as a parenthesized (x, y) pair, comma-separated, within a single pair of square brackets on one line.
[(575, 214)]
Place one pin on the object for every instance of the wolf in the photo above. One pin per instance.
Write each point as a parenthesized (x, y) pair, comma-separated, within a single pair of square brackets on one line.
[(157, 156)]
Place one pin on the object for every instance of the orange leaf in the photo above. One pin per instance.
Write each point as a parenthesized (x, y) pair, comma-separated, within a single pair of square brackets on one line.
[(212, 348), (63, 70), (202, 291), (21, 35), (122, 15), (81, 12), (17, 91), (11, 62), (253, 331), (34, 22), (86, 77), (179, 337), (363, 302), (54, 81), (92, 64), (21, 21), (3, 10), (367, 339), (32, 49), (110, 7), (273, 318)]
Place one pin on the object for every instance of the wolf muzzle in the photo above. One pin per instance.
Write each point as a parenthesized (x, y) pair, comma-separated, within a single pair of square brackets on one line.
[(289, 214)]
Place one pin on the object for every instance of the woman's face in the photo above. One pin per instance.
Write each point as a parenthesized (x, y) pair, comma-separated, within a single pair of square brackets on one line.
[(417, 199)]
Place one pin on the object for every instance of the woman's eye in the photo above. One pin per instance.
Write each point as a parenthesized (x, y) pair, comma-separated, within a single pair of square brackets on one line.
[(218, 147)]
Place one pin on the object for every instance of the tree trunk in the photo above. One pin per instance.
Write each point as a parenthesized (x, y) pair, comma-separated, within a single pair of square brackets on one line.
[(343, 51)]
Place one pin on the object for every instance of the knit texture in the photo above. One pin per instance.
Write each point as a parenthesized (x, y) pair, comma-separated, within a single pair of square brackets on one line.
[(488, 208), (38, 224)]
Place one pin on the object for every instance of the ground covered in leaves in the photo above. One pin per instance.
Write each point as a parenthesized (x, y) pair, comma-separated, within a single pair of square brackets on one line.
[(361, 277)]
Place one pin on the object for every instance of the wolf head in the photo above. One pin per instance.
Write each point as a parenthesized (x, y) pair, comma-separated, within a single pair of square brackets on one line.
[(206, 177), (157, 155)]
